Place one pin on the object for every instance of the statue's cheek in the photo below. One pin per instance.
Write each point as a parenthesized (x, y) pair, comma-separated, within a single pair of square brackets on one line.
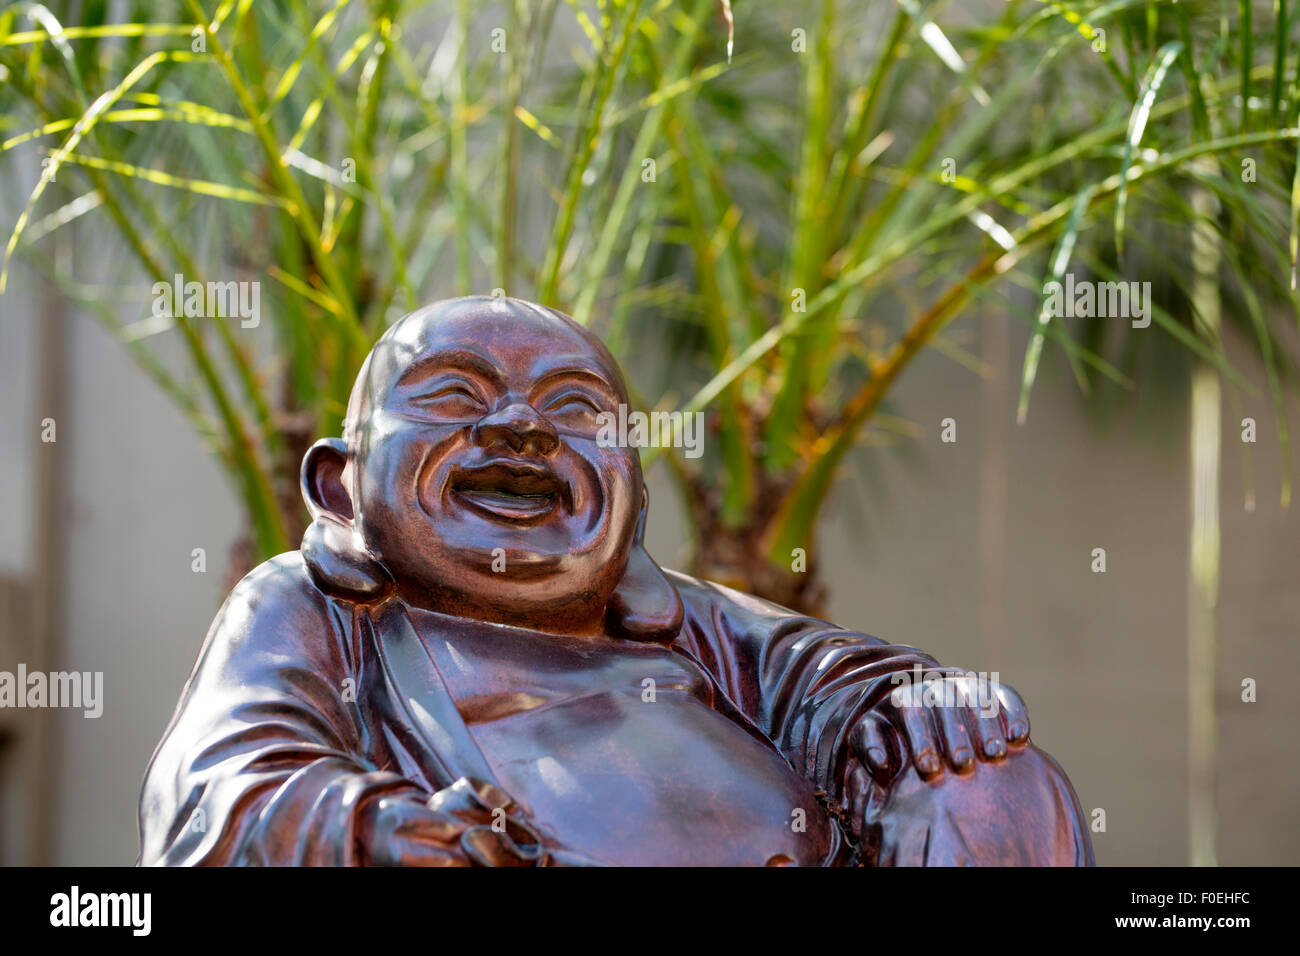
[(410, 453), (619, 470)]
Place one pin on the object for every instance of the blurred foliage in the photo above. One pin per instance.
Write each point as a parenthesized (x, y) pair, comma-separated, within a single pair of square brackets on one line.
[(782, 231)]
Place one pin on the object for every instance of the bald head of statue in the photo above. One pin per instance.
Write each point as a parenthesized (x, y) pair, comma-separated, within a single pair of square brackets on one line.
[(469, 479)]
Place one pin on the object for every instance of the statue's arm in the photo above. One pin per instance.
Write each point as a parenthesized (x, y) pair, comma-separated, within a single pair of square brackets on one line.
[(846, 710), (804, 683), (261, 765)]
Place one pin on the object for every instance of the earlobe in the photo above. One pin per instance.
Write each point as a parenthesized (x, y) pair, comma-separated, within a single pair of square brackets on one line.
[(332, 547), (645, 606)]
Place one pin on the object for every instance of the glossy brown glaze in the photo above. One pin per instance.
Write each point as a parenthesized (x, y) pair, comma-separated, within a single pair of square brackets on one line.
[(473, 659)]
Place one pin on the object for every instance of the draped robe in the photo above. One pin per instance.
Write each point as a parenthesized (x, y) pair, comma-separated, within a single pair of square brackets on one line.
[(290, 723)]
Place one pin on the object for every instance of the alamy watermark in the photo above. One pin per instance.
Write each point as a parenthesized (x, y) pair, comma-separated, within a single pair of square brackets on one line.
[(634, 429), (925, 688), (210, 300), (76, 908), (1106, 300), (70, 689)]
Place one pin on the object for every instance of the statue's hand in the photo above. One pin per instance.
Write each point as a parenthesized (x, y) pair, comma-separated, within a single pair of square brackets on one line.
[(469, 823), (952, 719)]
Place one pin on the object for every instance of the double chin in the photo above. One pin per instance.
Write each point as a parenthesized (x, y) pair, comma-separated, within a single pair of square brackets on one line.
[(544, 598)]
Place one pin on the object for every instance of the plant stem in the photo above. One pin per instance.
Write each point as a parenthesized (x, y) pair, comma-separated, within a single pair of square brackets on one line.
[(1203, 568)]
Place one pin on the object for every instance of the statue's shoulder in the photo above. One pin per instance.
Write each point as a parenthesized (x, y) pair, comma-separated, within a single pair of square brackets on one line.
[(281, 581), (276, 607), (705, 600)]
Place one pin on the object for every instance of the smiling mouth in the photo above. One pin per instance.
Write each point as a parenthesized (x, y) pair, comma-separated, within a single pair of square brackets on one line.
[(512, 491)]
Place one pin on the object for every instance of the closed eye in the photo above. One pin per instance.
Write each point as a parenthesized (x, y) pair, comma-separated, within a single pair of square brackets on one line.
[(449, 399), (453, 388), (570, 399)]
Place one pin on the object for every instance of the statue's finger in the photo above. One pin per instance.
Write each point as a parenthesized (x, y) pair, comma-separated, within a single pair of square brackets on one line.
[(1015, 715), (418, 853), (922, 737), (472, 800), (989, 733), (489, 795), (456, 800), (956, 738), (435, 827), (872, 742), (488, 847)]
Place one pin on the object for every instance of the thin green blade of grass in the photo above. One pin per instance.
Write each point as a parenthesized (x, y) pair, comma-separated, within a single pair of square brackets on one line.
[(611, 231), (1151, 83), (509, 154), (1265, 342), (1056, 269), (544, 132), (198, 187), (145, 114), (84, 125), (1085, 26), (668, 92), (459, 145), (314, 296), (604, 78), (294, 68), (1281, 16), (1191, 74), (313, 111), (1294, 240), (99, 32), (937, 41), (1211, 353), (858, 154), (1246, 56), (68, 212), (56, 33)]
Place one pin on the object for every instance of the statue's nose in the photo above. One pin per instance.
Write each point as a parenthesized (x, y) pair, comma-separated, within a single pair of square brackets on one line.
[(519, 426)]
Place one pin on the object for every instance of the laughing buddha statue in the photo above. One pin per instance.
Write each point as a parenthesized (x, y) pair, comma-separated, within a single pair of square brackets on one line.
[(473, 660)]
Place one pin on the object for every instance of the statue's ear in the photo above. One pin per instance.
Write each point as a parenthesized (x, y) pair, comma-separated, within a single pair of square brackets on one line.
[(645, 606), (332, 546)]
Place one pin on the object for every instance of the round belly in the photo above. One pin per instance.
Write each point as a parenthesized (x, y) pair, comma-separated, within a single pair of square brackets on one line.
[(668, 783)]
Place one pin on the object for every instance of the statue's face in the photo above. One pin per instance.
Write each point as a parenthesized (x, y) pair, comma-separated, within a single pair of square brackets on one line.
[(478, 479)]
